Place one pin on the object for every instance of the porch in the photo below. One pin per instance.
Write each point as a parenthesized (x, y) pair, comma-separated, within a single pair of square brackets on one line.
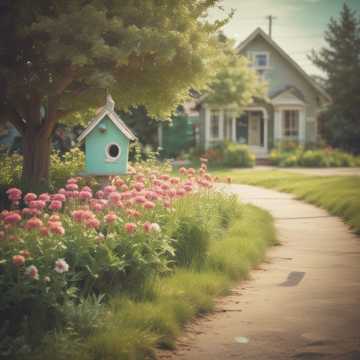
[(250, 128)]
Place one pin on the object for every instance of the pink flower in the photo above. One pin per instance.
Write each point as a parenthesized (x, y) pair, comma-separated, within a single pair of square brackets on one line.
[(61, 191), (71, 186), (61, 266), (29, 197), (56, 228), (18, 260), (174, 180), (110, 218), (47, 279), (37, 204), (85, 195), (130, 227), (109, 189), (44, 231), (149, 205), (86, 188), (32, 272), (124, 187), (14, 194), (182, 171), (33, 223), (119, 182), (72, 181), (12, 218), (140, 199), (139, 186), (147, 226), (114, 197), (77, 215), (172, 193), (44, 197), (55, 205), (92, 223), (180, 192), (58, 197)]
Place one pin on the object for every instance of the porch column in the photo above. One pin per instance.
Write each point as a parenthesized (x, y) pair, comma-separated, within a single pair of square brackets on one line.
[(266, 125), (277, 125), (221, 124), (233, 118), (160, 135), (207, 127), (302, 126)]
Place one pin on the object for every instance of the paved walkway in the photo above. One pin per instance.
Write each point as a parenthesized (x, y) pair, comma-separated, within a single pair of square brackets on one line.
[(302, 303)]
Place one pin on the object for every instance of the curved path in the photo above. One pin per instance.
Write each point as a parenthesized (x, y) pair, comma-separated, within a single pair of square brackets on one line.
[(302, 303)]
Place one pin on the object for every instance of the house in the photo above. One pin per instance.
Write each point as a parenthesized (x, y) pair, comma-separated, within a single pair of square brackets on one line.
[(106, 143), (290, 111)]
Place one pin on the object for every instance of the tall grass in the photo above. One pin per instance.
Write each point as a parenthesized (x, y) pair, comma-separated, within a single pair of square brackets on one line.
[(131, 327), (339, 195)]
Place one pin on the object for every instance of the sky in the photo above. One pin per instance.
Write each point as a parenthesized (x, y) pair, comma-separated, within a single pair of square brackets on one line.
[(299, 25)]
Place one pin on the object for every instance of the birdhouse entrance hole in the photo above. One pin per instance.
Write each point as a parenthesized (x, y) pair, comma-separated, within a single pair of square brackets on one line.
[(113, 152)]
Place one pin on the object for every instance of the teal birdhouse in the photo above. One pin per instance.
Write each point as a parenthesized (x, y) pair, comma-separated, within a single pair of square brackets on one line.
[(107, 141)]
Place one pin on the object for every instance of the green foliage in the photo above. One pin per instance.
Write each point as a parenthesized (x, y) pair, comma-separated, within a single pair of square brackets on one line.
[(230, 154), (340, 61), (133, 328), (235, 82), (64, 167), (295, 155)]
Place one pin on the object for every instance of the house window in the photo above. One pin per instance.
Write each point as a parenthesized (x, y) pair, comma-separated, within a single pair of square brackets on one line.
[(259, 60), (291, 123), (215, 124)]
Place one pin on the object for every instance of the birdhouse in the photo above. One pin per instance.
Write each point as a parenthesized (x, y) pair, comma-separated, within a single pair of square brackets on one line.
[(107, 141)]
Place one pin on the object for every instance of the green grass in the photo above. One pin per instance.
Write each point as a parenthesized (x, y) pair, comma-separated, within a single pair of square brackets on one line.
[(339, 195), (132, 329)]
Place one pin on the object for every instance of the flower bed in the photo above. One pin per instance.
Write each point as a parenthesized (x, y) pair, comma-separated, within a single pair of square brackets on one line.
[(298, 156), (78, 242)]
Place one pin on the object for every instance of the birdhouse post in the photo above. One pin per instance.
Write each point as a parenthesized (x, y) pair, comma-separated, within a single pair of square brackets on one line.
[(107, 141)]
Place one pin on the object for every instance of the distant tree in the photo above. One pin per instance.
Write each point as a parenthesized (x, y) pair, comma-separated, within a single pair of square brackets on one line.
[(235, 82), (58, 57), (340, 60)]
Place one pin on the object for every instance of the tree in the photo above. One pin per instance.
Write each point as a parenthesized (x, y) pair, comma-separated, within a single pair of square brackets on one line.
[(340, 60), (235, 82), (58, 57)]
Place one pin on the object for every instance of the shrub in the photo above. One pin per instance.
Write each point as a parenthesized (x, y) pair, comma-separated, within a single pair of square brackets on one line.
[(291, 155), (238, 155), (230, 154)]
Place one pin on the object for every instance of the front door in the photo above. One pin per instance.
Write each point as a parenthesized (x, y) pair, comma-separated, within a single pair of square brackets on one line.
[(255, 128)]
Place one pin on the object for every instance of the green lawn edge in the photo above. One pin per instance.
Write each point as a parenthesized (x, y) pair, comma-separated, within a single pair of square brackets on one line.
[(339, 195), (136, 328)]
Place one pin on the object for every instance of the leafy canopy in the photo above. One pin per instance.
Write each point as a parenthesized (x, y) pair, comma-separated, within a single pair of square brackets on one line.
[(235, 82), (145, 52)]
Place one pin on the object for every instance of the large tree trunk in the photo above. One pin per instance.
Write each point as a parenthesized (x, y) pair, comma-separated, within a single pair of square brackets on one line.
[(36, 152)]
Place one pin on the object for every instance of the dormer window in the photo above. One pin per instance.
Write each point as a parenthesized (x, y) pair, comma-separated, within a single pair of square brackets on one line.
[(259, 60)]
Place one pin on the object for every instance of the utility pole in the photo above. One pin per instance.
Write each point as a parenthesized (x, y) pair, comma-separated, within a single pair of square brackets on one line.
[(270, 18)]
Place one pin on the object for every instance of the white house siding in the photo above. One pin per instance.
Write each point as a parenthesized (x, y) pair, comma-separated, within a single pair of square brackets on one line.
[(282, 74)]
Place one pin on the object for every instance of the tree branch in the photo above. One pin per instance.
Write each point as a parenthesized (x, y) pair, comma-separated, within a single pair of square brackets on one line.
[(12, 115)]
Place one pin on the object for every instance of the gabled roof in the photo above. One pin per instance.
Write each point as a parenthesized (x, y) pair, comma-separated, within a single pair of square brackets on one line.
[(272, 43), (108, 110)]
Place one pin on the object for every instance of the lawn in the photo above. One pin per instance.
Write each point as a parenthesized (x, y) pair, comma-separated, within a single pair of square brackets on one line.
[(339, 195)]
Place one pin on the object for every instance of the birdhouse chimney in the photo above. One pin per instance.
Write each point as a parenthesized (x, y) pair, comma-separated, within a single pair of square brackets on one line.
[(110, 103)]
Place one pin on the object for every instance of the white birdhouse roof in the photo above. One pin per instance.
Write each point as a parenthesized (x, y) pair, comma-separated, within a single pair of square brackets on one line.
[(108, 110)]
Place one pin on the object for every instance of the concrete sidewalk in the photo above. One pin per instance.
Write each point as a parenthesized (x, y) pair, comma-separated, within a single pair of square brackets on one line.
[(302, 303)]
